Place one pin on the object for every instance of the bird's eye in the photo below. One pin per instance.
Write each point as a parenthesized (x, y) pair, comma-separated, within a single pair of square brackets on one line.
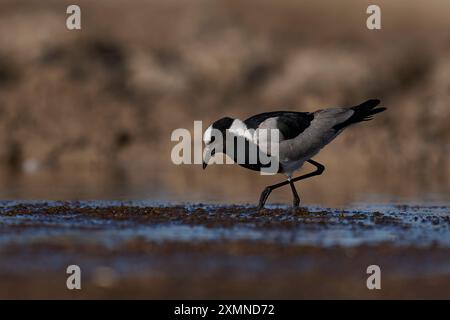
[(212, 139)]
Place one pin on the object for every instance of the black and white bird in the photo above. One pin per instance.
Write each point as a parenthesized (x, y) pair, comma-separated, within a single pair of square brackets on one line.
[(301, 135)]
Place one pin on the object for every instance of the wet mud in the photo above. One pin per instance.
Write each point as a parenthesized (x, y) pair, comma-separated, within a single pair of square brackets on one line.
[(146, 250)]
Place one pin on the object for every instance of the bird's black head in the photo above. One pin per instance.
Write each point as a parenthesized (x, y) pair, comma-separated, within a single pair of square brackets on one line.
[(221, 126), (212, 143)]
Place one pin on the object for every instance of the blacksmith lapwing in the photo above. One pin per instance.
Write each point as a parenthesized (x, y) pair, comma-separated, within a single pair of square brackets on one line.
[(301, 135)]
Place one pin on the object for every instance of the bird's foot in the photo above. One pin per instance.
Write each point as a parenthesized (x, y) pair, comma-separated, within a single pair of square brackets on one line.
[(296, 203), (263, 198)]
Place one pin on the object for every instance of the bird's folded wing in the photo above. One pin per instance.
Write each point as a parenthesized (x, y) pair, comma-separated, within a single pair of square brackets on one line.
[(289, 124)]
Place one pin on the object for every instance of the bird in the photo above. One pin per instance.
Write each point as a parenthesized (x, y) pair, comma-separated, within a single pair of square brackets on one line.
[(301, 136)]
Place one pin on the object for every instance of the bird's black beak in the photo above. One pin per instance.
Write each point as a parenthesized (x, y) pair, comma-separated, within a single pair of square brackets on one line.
[(208, 153)]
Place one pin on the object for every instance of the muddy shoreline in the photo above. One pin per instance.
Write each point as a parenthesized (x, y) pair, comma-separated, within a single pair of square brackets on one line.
[(137, 250)]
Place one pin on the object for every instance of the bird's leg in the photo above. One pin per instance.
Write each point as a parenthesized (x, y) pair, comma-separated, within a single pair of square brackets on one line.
[(320, 169), (296, 201), (265, 194)]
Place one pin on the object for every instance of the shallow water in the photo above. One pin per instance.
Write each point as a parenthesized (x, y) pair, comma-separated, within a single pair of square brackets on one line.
[(417, 225), (143, 239)]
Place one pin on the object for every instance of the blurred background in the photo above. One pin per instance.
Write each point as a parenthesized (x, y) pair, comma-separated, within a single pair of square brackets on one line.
[(88, 114)]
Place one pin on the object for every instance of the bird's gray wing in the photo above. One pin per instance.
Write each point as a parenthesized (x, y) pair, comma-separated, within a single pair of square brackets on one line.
[(318, 134)]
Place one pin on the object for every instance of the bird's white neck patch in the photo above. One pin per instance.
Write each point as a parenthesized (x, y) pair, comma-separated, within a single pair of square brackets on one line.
[(240, 129), (237, 128), (207, 136)]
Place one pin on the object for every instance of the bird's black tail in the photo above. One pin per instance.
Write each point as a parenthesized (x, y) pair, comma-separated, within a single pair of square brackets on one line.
[(363, 112)]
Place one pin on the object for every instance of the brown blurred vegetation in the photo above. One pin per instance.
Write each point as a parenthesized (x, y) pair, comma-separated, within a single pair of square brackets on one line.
[(88, 114)]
